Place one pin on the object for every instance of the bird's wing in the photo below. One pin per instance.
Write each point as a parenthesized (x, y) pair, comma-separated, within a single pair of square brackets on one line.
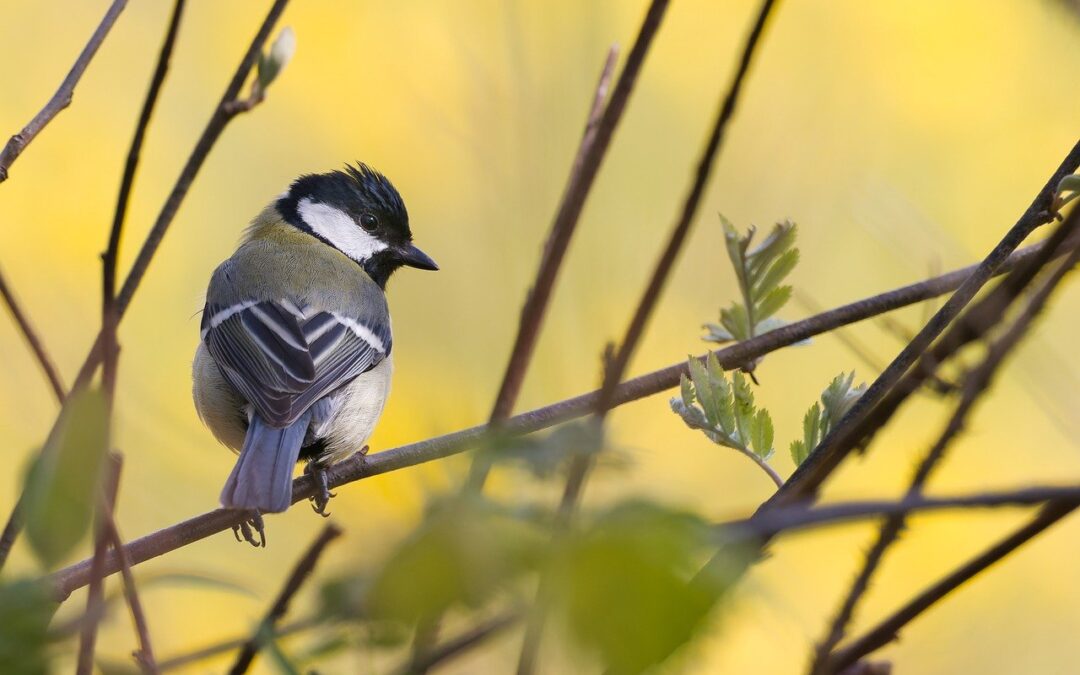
[(283, 357)]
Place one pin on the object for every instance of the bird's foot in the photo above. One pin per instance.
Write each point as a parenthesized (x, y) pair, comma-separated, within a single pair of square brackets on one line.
[(321, 499), (248, 529)]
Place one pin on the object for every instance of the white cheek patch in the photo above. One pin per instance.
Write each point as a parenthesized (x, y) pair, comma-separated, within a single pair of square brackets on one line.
[(336, 227)]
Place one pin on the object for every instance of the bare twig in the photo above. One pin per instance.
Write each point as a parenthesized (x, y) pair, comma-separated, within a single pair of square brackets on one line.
[(110, 317), (300, 573), (842, 438), (179, 661), (358, 468), (886, 631), (599, 129), (218, 120), (616, 366), (974, 386), (424, 661), (96, 594), (62, 97), (33, 340), (222, 115)]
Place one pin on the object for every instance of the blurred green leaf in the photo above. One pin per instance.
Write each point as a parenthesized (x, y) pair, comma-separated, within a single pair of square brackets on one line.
[(836, 401), (463, 552), (110, 666), (26, 607), (63, 483), (273, 650), (545, 456), (623, 584)]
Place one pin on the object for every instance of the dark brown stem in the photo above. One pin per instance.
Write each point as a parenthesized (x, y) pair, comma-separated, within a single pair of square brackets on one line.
[(32, 339), (62, 97), (974, 386), (300, 573), (616, 367), (95, 595), (599, 129), (112, 251), (844, 437), (358, 468), (424, 661), (218, 120), (189, 658), (886, 631)]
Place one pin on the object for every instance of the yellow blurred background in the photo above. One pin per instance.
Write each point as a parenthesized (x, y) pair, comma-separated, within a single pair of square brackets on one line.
[(903, 137)]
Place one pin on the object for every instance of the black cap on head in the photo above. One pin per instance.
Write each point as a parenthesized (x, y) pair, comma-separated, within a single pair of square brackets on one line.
[(376, 233)]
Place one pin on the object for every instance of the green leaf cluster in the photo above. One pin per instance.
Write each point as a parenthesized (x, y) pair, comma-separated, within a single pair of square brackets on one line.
[(723, 410), (623, 584), (760, 272), (64, 481), (836, 400)]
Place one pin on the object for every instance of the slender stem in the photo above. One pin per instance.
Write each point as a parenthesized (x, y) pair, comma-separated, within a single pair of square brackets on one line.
[(975, 386), (304, 567), (181, 660), (357, 468), (842, 439), (33, 340), (95, 596), (599, 129), (62, 97), (127, 181), (616, 366), (886, 631), (218, 120), (776, 478), (421, 663)]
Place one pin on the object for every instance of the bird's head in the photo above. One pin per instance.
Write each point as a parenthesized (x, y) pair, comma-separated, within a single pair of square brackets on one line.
[(358, 212)]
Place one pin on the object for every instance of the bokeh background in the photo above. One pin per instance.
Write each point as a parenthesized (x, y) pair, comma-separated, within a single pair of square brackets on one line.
[(903, 137)]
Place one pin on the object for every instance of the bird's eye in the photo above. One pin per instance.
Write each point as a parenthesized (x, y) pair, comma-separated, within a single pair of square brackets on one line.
[(368, 221)]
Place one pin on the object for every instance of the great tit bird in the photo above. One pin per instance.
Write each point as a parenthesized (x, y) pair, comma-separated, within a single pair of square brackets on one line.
[(295, 357)]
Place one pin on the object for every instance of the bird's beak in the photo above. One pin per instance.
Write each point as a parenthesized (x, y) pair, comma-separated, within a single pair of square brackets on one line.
[(410, 256)]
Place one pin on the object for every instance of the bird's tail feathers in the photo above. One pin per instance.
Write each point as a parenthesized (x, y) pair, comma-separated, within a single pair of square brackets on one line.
[(262, 477)]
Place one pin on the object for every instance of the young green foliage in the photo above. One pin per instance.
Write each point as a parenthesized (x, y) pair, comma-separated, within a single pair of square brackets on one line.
[(26, 608), (760, 272), (836, 400), (724, 412), (544, 456), (63, 483), (622, 584)]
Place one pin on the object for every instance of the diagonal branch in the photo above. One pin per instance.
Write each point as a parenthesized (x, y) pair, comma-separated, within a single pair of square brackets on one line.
[(304, 567), (95, 596), (218, 120), (599, 129), (886, 631), (33, 339), (358, 468), (616, 365), (974, 386), (62, 97), (844, 437)]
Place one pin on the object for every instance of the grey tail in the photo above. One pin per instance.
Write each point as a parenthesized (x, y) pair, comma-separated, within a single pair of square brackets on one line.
[(262, 477)]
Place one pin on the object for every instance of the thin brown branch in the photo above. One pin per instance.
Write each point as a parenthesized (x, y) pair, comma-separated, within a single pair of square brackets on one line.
[(599, 129), (218, 120), (223, 113), (475, 636), (62, 97), (843, 438), (33, 340), (886, 631), (181, 660), (145, 655), (95, 596), (975, 386), (110, 316), (358, 468), (304, 567), (615, 367)]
